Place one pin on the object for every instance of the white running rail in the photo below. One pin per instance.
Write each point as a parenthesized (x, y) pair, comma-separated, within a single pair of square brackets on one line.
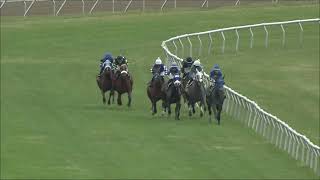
[(249, 112)]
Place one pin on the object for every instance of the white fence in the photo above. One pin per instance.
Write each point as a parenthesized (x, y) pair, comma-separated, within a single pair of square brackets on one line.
[(247, 111), (56, 7)]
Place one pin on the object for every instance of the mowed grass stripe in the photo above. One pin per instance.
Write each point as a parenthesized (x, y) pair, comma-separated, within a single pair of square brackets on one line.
[(53, 124)]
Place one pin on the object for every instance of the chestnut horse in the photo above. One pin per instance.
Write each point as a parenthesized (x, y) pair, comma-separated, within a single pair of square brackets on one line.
[(105, 83), (123, 84)]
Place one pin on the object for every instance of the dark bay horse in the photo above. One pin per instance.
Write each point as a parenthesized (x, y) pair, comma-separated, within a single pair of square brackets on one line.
[(185, 81), (154, 91), (105, 82), (172, 94), (123, 84), (215, 99), (195, 92)]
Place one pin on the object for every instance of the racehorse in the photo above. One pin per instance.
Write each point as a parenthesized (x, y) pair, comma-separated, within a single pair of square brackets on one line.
[(172, 94), (105, 83), (123, 84), (154, 91), (215, 99), (195, 92), (185, 81)]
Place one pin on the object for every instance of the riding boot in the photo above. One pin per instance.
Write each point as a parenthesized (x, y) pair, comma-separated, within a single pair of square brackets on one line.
[(169, 82)]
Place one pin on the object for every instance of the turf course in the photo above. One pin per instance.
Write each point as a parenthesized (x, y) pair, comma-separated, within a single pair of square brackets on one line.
[(53, 123)]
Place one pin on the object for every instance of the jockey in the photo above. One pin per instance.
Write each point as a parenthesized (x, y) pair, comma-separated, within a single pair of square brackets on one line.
[(173, 71), (158, 67), (217, 76), (186, 66), (107, 59), (196, 66), (118, 61)]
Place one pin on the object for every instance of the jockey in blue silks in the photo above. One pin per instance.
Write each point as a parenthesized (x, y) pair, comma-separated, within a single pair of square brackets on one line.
[(217, 76), (174, 73), (106, 60), (159, 68)]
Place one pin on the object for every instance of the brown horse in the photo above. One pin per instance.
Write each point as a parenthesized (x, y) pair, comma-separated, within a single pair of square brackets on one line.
[(154, 91), (105, 83), (123, 84)]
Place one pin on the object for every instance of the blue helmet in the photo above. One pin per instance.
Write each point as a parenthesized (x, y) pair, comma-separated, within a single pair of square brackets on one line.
[(108, 56), (216, 67)]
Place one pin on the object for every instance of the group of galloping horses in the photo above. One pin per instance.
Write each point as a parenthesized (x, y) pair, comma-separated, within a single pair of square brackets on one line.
[(197, 91), (119, 81), (206, 94)]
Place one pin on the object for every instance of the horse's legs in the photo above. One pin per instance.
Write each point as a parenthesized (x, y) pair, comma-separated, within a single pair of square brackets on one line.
[(219, 108), (178, 106), (110, 94), (169, 108), (129, 99), (214, 108), (201, 109), (210, 112), (193, 110), (190, 109), (103, 97), (154, 107), (163, 108), (119, 99)]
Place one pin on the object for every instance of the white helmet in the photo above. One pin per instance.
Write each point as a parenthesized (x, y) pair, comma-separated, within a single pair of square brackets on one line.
[(158, 61), (197, 63)]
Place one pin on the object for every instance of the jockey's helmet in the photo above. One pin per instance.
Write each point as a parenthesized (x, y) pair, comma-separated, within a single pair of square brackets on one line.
[(189, 59), (108, 56), (216, 67), (121, 58), (158, 61), (174, 64), (197, 63)]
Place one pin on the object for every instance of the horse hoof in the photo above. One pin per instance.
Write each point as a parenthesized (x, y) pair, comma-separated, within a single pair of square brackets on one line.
[(190, 114)]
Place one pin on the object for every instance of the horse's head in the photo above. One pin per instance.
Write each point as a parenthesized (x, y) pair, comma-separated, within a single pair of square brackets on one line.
[(124, 75), (107, 69), (157, 79), (199, 76), (123, 67), (177, 82)]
